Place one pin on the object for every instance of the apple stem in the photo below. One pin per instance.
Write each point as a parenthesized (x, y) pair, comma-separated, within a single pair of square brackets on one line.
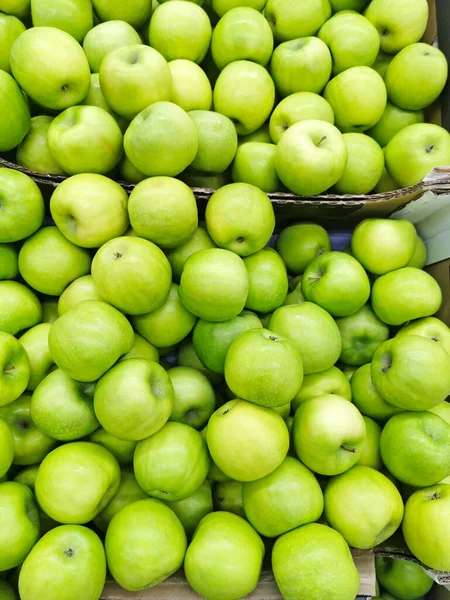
[(322, 139)]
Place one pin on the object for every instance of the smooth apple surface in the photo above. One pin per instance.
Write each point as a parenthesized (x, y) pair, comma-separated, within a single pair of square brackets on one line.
[(10, 29), (299, 244), (301, 106), (6, 447), (268, 282), (429, 327), (75, 17), (402, 578), (366, 397), (22, 205), (134, 12), (194, 397), (365, 165), (227, 497), (16, 368), (394, 119), (79, 290), (371, 455), (123, 450), (330, 381), (15, 118), (106, 37), (33, 152), (20, 307), (35, 343), (217, 141), (254, 163), (191, 88), (295, 20), (9, 267)]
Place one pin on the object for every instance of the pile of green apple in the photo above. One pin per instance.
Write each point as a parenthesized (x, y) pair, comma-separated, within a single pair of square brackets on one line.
[(304, 95)]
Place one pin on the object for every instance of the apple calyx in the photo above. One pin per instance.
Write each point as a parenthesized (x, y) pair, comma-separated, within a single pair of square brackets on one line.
[(117, 255), (69, 552), (9, 368), (429, 149), (434, 496)]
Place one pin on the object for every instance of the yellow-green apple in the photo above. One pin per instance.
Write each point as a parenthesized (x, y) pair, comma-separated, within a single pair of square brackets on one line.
[(283, 500), (58, 76), (90, 209), (419, 258), (20, 524), (242, 34), (33, 152), (191, 89), (96, 98), (22, 205), (431, 328), (89, 338), (27, 476), (227, 496), (395, 240), (382, 62), (366, 397), (75, 17), (17, 8), (336, 282), (377, 507), (260, 135), (212, 340), (15, 119), (365, 165), (301, 65), (330, 381), (352, 39), (358, 98), (9, 265), (301, 106), (225, 557), (290, 21), (31, 444), (416, 76), (63, 408), (402, 578), (184, 454), (394, 119), (299, 244), (214, 284), (135, 416), (19, 307), (106, 37), (400, 27), (134, 77), (134, 12), (210, 181), (415, 150), (180, 30), (69, 557), (411, 372), (217, 141), (302, 556), (245, 93), (312, 330), (123, 450), (254, 163), (48, 262), (79, 290), (7, 590), (415, 447), (132, 274), (328, 434), (268, 282), (357, 5), (239, 456), (405, 294), (311, 157), (361, 333), (187, 357), (194, 397), (10, 29), (220, 7), (264, 368), (371, 455), (443, 410), (6, 447), (129, 173), (35, 343), (386, 183), (146, 527), (15, 368), (161, 140)]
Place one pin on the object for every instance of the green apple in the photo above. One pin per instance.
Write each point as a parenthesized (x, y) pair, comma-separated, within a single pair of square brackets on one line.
[(366, 397), (17, 8), (96, 98), (15, 368), (192, 509), (48, 262), (300, 559), (312, 330), (365, 165), (214, 284), (405, 579), (268, 282), (177, 257), (227, 497), (242, 34), (263, 368), (31, 444), (415, 150), (6, 447), (69, 557), (228, 222), (187, 357), (194, 397), (358, 98), (144, 528), (75, 17), (22, 205), (291, 21), (180, 30), (376, 506), (123, 450), (20, 524), (411, 372), (395, 241), (220, 7), (260, 135), (357, 5), (416, 76), (15, 119), (19, 307), (283, 500), (415, 447), (330, 381), (245, 93), (35, 343), (224, 559), (90, 209), (106, 37), (183, 452), (400, 27), (371, 456), (88, 339), (386, 183), (27, 476), (239, 456), (135, 12), (431, 328), (9, 265), (33, 152), (301, 65), (79, 290), (134, 77), (419, 258), (129, 173), (404, 295), (10, 29), (162, 139), (382, 63), (299, 244), (336, 282), (191, 89), (301, 106), (58, 76), (209, 181), (254, 163), (361, 333), (394, 119), (311, 157), (443, 410), (132, 274), (352, 39), (7, 590), (217, 141)]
